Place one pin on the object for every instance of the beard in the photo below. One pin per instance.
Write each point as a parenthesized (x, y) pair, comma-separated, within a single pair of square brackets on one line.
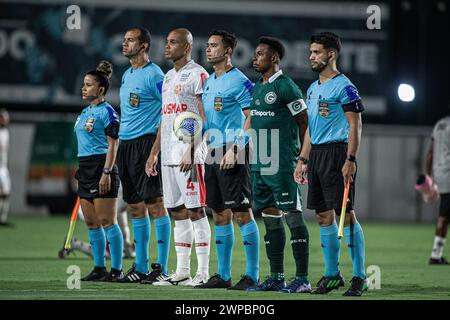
[(320, 66)]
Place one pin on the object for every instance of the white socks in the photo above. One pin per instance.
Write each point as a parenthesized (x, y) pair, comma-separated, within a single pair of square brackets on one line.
[(202, 233), (183, 235), (438, 247)]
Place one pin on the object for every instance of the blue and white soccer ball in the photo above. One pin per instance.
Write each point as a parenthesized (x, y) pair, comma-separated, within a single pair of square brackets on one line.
[(187, 126)]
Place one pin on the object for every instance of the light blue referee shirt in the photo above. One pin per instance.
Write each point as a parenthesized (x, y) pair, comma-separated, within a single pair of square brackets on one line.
[(90, 129), (326, 115), (140, 101), (224, 99)]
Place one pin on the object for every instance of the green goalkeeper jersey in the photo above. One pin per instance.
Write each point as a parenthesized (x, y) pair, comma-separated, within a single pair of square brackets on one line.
[(274, 105)]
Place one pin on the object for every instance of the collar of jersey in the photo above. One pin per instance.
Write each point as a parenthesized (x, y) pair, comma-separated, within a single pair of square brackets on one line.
[(275, 76), (232, 68), (182, 68), (144, 66), (97, 105), (318, 81)]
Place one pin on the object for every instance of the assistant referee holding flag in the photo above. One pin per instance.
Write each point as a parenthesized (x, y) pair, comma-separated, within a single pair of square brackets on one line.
[(334, 118)]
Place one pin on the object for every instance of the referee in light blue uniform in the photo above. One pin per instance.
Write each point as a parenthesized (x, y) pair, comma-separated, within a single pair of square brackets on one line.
[(227, 95), (98, 183), (140, 105), (334, 118)]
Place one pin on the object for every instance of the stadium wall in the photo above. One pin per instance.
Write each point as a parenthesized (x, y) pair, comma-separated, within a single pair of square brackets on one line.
[(390, 159)]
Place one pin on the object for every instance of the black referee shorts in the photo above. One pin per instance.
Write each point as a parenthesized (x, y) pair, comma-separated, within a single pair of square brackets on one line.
[(228, 189), (90, 170), (326, 183), (131, 158), (444, 207)]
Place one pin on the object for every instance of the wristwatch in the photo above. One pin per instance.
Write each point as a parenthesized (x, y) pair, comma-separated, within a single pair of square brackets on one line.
[(351, 158), (304, 160), (106, 171)]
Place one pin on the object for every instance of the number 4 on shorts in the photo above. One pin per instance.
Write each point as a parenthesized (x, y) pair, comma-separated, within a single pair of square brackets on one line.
[(190, 185)]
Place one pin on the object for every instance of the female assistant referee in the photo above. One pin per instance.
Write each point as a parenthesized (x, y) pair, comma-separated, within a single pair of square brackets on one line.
[(97, 130)]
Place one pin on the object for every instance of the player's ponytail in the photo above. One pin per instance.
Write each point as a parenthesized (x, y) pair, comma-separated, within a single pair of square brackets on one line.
[(102, 74), (105, 67)]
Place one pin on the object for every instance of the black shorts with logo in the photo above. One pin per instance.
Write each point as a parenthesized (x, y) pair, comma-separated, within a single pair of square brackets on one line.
[(131, 159), (444, 207), (228, 189), (326, 183), (90, 170)]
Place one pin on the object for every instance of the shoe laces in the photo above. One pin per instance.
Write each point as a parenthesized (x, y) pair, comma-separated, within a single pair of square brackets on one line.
[(296, 282), (244, 278), (357, 281), (267, 283), (131, 270)]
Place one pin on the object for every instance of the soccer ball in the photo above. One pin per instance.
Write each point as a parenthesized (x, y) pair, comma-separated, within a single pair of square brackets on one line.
[(187, 126)]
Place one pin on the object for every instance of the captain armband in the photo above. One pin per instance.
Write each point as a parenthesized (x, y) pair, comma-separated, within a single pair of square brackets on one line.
[(297, 106)]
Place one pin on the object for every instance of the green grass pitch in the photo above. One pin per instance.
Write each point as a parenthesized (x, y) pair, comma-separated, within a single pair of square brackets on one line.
[(30, 268)]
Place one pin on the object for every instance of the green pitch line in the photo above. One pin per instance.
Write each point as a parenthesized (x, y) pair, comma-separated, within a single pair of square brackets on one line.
[(30, 268)]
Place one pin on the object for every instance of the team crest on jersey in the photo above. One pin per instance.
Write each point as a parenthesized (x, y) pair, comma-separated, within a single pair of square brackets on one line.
[(178, 89), (134, 99), (324, 109), (89, 124), (270, 97), (218, 105)]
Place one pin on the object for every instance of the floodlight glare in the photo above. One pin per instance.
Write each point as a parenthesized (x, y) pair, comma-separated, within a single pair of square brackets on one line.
[(406, 92)]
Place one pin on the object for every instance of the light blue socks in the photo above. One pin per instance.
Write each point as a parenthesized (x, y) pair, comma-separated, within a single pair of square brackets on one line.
[(250, 235), (330, 248), (115, 241), (355, 244)]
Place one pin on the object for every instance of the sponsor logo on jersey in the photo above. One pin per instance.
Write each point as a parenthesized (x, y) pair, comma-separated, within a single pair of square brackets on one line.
[(257, 102), (218, 104), (270, 97), (257, 113), (324, 109), (134, 99), (171, 108), (89, 124)]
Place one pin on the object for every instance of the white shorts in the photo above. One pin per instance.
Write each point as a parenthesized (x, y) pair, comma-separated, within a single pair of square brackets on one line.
[(178, 188), (5, 182)]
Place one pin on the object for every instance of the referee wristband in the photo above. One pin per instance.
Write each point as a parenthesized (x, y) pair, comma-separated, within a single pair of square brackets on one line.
[(351, 158)]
